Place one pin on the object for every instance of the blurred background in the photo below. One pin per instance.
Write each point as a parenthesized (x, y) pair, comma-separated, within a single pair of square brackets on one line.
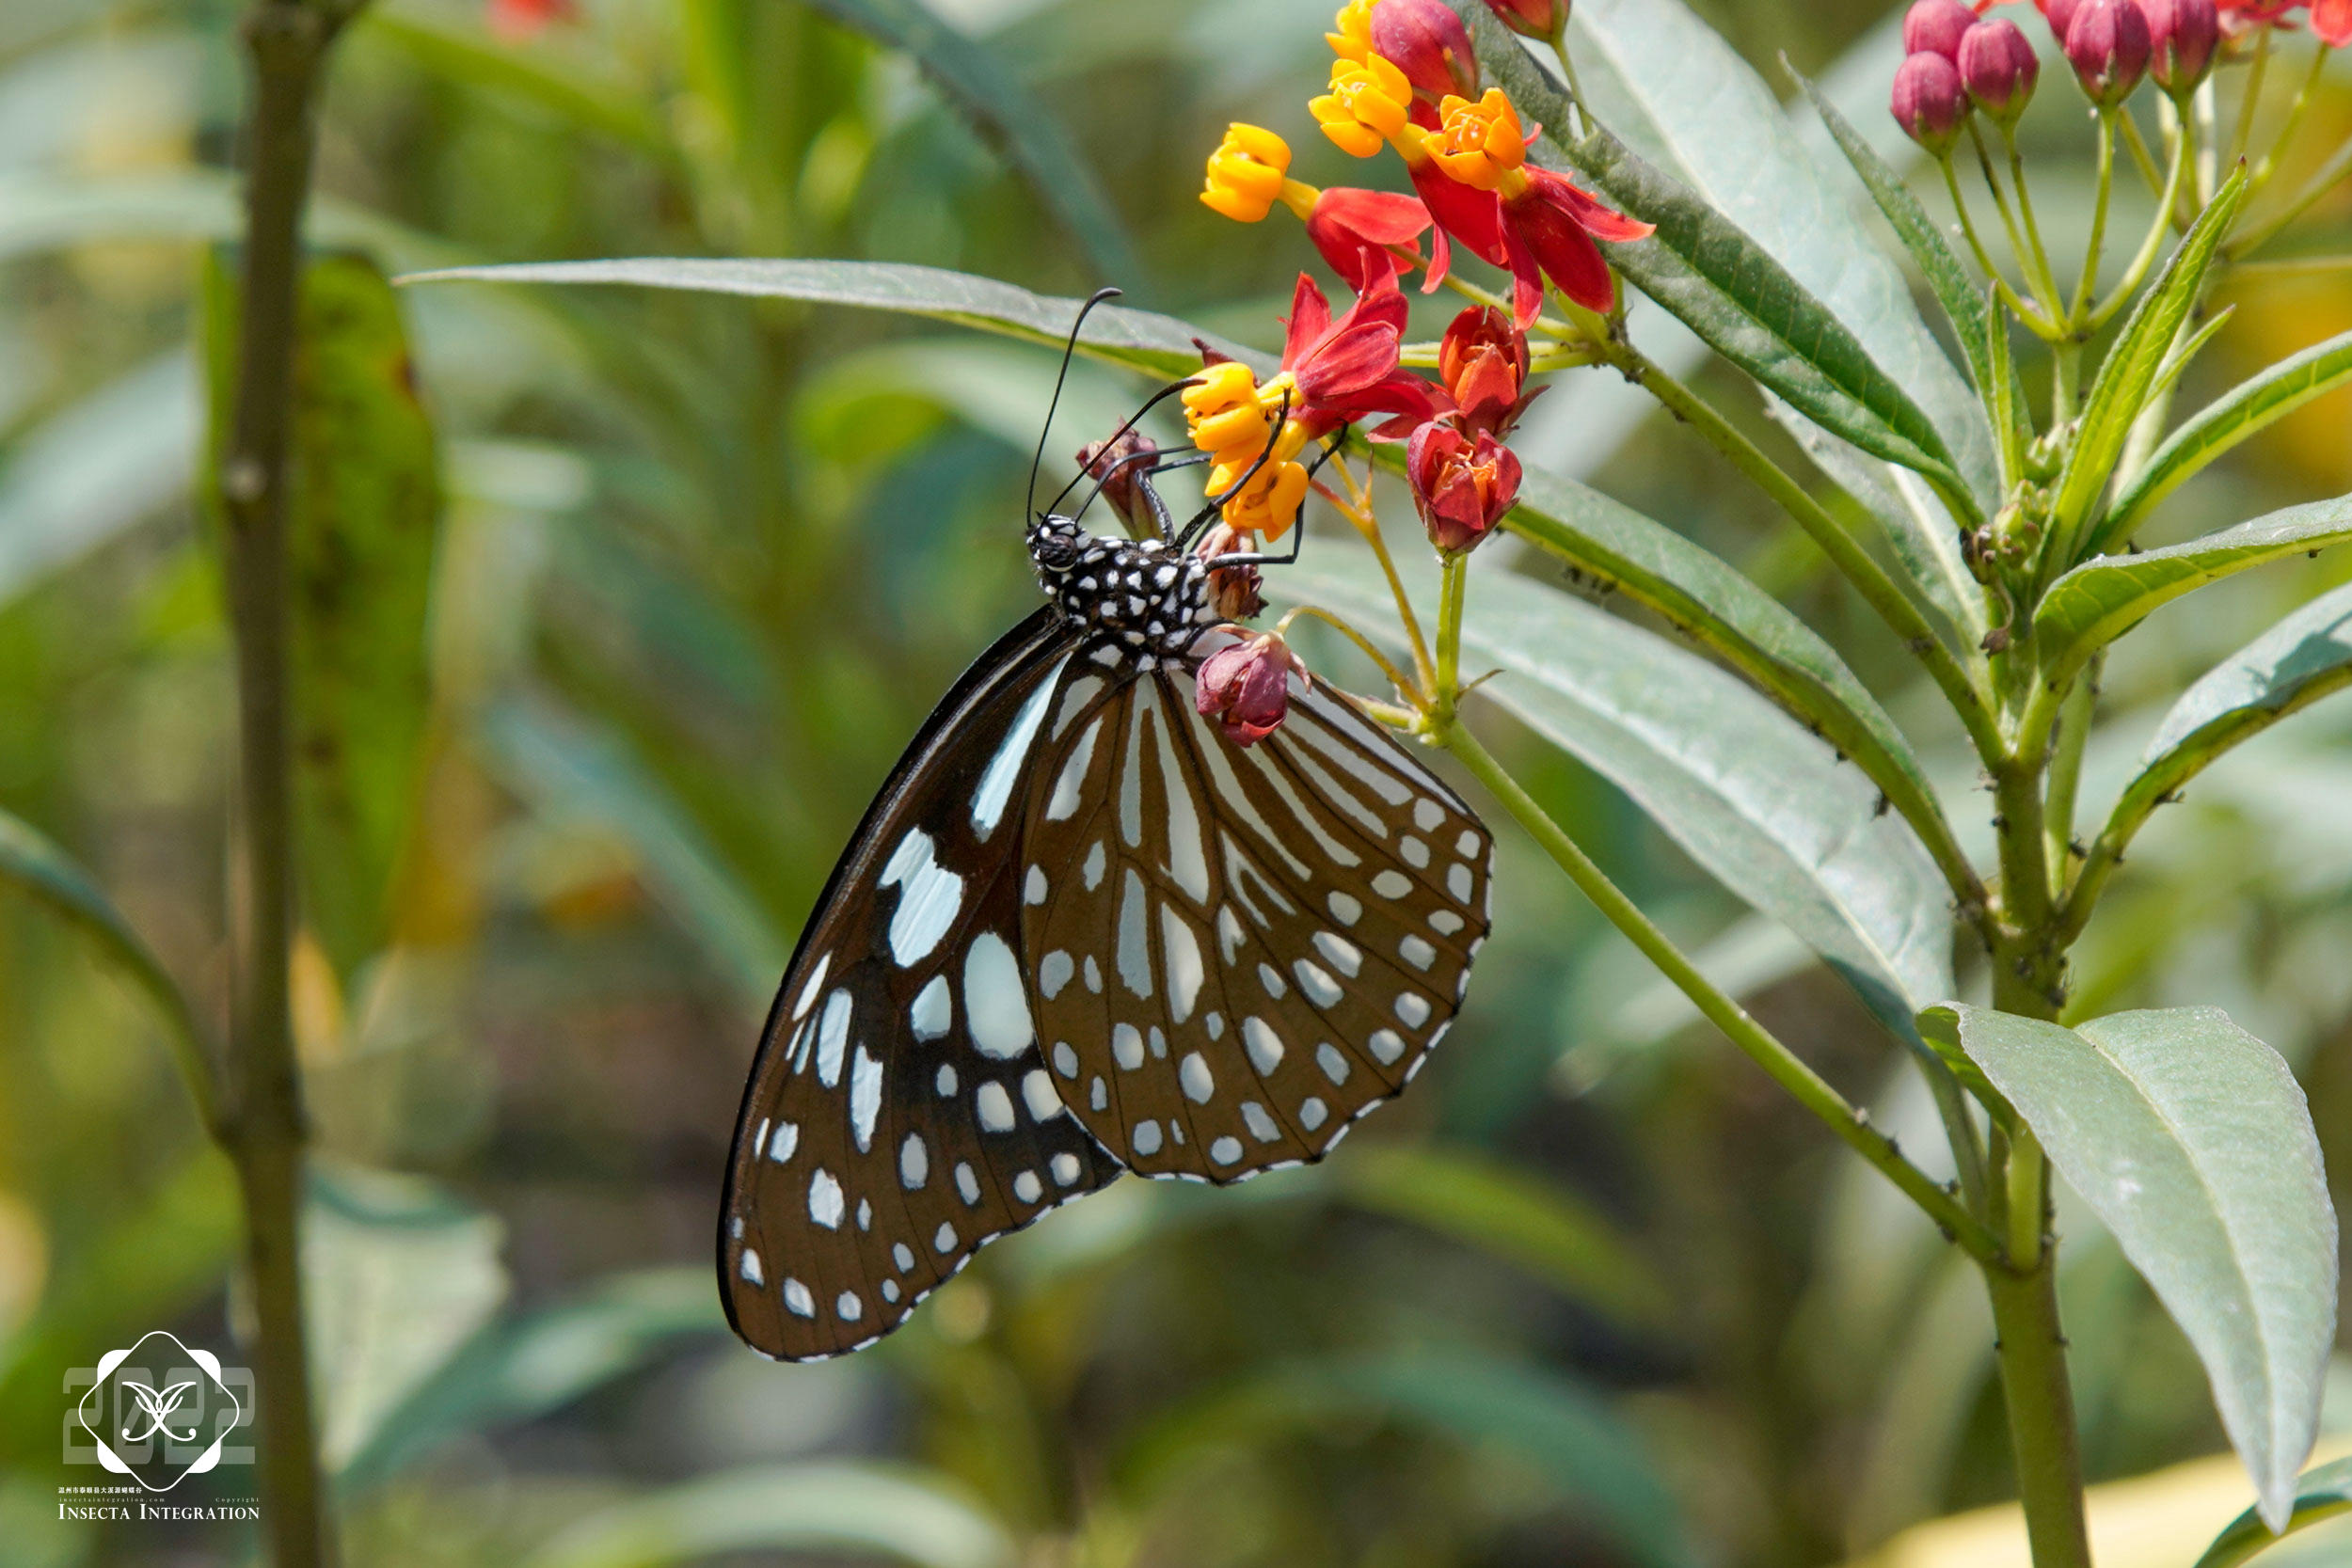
[(638, 599)]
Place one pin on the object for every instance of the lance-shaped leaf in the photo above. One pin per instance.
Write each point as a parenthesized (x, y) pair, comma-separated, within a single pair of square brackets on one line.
[(1673, 90), (30, 863), (2130, 369), (825, 1507), (2293, 665), (2322, 1493), (2102, 599), (1141, 339), (361, 519), (2223, 423), (1613, 548), (1763, 806), (972, 79), (1725, 286), (2193, 1144), (1574, 1446)]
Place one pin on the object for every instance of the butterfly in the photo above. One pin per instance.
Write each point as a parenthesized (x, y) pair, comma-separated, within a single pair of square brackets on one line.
[(1081, 932)]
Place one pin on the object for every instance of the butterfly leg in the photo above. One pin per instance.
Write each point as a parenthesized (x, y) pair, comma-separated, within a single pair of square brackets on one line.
[(1298, 536)]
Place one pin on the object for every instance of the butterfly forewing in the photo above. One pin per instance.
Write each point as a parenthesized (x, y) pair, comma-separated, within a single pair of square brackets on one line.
[(898, 1114), (1236, 952)]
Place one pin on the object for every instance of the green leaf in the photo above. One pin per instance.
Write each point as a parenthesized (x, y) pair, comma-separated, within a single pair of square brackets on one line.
[(1965, 304), (1764, 807), (972, 79), (2320, 1493), (2191, 1141), (1919, 531), (1543, 1227), (518, 1368), (568, 772), (362, 515), (2102, 599), (2223, 423), (1725, 286), (2304, 658), (2131, 367), (1556, 1426), (31, 863), (1681, 96), (904, 1515), (1154, 344), (1614, 548), (398, 1274)]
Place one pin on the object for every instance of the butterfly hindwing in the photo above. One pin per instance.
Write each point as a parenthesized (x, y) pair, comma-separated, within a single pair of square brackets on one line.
[(1239, 951), (898, 1114)]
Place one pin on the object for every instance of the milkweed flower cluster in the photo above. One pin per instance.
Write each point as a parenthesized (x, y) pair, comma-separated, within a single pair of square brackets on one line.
[(1405, 79)]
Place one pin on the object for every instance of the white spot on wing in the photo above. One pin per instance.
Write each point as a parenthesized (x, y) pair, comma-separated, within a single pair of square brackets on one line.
[(1262, 1044), (749, 1268), (1036, 1093), (865, 1077), (1261, 1125), (1198, 1084), (1027, 1188), (786, 1139), (1345, 910), (996, 1010), (1225, 1150), (1146, 1138), (1413, 1008), (1054, 974), (1344, 955), (1427, 813), (929, 897), (995, 1107), (1135, 949), (1458, 882), (1391, 884), (1066, 1170), (1416, 952), (945, 1240), (988, 802), (1127, 1046), (914, 1164), (816, 984), (1069, 783), (1311, 1112), (833, 1034), (1333, 1064), (933, 1010), (1319, 988), (824, 1199), (1387, 1044), (797, 1301)]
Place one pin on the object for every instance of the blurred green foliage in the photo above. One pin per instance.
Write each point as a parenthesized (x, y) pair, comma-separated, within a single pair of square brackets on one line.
[(629, 602)]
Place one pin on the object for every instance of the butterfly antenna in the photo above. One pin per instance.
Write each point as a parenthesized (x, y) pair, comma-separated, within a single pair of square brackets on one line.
[(1136, 418), (1097, 297)]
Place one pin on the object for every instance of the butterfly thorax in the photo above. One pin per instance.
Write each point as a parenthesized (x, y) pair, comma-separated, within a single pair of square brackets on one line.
[(1135, 594)]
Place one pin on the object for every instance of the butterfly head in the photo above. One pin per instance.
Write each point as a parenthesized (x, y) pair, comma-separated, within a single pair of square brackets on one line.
[(1143, 594)]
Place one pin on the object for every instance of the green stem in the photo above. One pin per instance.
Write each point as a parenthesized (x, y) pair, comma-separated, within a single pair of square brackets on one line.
[(2151, 244), (2040, 1399), (1808, 1088), (1452, 590), (2269, 164), (2024, 212), (2324, 179), (2250, 98), (288, 44), (1869, 579), (2142, 158), (2023, 312), (2046, 301), (2066, 768), (2089, 283)]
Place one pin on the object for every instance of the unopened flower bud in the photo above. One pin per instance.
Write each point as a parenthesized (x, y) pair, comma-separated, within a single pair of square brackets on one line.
[(2182, 37), (1482, 364), (1999, 68), (1119, 464), (1929, 102), (1536, 19), (1936, 27), (1424, 40), (2059, 14), (2108, 45), (1246, 688)]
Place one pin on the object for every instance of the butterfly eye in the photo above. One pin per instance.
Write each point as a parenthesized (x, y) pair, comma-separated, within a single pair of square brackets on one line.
[(1056, 552)]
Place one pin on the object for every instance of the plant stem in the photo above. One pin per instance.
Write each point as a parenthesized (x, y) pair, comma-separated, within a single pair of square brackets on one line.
[(288, 44), (2024, 213), (2066, 768), (1452, 590), (2269, 164), (1810, 1088), (2039, 1399), (2086, 286), (2150, 245), (1869, 579), (2249, 98), (2023, 312), (2251, 239), (2141, 157)]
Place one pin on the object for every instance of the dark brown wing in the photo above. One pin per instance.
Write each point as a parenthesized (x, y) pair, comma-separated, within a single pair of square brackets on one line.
[(898, 1114), (1241, 950)]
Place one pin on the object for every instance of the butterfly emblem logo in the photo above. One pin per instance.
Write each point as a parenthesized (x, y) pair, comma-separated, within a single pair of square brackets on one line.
[(161, 1411)]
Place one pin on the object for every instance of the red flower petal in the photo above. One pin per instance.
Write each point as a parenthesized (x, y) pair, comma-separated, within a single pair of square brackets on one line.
[(1310, 321)]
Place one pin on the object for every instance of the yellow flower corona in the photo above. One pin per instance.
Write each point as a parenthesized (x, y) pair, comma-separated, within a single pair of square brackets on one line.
[(1479, 144), (1368, 104), (1231, 416), (1244, 173), (1352, 41)]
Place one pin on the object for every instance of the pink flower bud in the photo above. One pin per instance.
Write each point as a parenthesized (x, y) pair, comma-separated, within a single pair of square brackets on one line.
[(1537, 18), (1238, 592), (2108, 45), (2059, 14), (1930, 104), (2182, 37), (1425, 40), (1999, 68), (1936, 28), (1246, 688), (1119, 465)]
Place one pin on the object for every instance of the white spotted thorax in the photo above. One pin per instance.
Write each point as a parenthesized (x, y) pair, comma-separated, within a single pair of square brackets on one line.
[(1136, 594)]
